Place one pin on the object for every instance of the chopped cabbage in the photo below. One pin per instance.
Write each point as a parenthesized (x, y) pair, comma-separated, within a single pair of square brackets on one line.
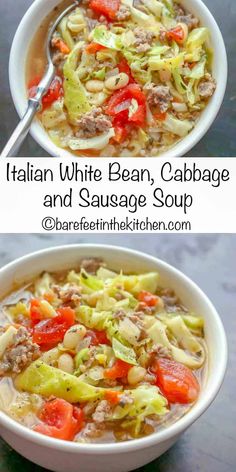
[(129, 331), (137, 283), (100, 74), (43, 284), (92, 318), (179, 83), (6, 339), (98, 142), (141, 18), (76, 22), (75, 99), (105, 274), (146, 401), (103, 36), (179, 127), (154, 6), (196, 38), (157, 332), (66, 34), (123, 352), (45, 380), (169, 63)]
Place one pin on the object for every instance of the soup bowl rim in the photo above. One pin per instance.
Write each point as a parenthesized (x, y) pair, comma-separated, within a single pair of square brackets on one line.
[(167, 433)]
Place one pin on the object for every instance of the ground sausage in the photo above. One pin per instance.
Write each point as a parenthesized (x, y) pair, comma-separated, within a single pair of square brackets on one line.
[(20, 354), (159, 96), (91, 265), (102, 411), (93, 430), (190, 20), (68, 296), (125, 399), (143, 39), (123, 13), (93, 123), (160, 351), (183, 17), (206, 86)]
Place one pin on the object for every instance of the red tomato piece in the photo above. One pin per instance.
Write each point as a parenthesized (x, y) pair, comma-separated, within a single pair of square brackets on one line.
[(97, 337), (35, 312), (160, 116), (54, 93), (125, 95), (176, 381), (51, 331), (148, 298), (120, 133), (60, 420), (177, 34), (108, 8), (112, 396), (123, 66), (61, 45), (118, 370), (92, 48)]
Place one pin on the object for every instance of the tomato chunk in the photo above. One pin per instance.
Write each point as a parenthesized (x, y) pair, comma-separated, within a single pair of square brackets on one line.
[(118, 370), (35, 312), (177, 34), (108, 8), (120, 133), (148, 298), (160, 116), (54, 93), (176, 381), (120, 101), (60, 420), (112, 396), (97, 337), (123, 66), (52, 330), (61, 45), (92, 48)]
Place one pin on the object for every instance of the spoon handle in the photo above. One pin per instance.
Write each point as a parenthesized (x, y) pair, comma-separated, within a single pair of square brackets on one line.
[(22, 129)]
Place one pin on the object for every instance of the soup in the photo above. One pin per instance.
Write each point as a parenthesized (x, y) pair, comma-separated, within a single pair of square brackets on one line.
[(91, 355), (131, 79)]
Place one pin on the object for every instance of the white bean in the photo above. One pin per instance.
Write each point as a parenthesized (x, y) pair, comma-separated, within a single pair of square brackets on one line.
[(73, 336), (136, 374), (66, 363), (94, 85), (117, 81)]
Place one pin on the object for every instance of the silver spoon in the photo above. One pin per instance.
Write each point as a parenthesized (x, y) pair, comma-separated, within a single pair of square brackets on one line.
[(34, 104)]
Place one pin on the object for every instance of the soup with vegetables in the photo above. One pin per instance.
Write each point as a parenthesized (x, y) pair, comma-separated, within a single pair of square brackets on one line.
[(92, 355), (132, 77)]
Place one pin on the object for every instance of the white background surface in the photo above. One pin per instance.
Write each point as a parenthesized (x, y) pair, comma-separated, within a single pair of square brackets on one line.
[(212, 210)]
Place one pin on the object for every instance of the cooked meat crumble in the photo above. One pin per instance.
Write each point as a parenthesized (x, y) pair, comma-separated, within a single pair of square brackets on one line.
[(143, 39), (123, 13), (207, 86), (92, 123), (159, 96), (20, 354)]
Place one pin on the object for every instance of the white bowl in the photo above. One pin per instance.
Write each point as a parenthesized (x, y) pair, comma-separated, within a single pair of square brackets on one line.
[(62, 456), (30, 24)]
